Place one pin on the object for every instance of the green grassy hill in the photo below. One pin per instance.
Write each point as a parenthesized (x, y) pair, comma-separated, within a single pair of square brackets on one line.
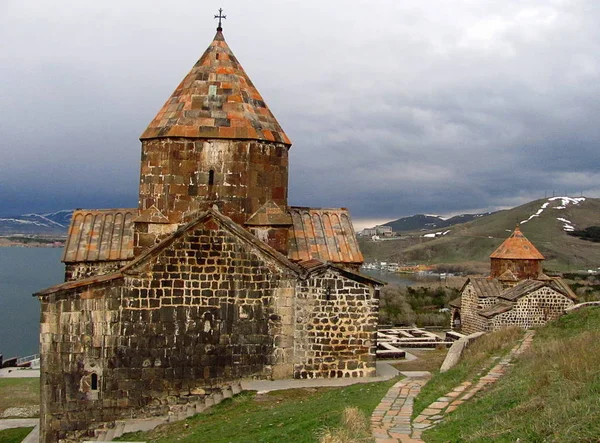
[(550, 394), (476, 240)]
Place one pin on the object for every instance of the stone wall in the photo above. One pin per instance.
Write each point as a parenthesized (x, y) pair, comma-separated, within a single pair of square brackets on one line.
[(79, 333), (336, 326), (181, 325), (521, 268), (470, 305), (80, 270), (180, 176), (533, 309)]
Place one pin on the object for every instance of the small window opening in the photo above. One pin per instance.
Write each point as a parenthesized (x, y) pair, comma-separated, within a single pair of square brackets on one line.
[(94, 382), (217, 56), (211, 177), (328, 293)]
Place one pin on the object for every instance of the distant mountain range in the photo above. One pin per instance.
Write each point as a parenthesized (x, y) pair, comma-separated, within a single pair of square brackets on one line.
[(51, 223), (546, 222), (429, 222)]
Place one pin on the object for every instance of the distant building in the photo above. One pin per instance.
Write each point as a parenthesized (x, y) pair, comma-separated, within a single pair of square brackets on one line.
[(368, 232), (517, 292), (380, 231), (384, 230)]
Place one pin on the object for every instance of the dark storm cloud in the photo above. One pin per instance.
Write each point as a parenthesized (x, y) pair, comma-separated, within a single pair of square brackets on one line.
[(393, 107)]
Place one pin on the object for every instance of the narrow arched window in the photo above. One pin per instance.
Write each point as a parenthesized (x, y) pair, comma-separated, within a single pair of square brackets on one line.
[(211, 177), (94, 386)]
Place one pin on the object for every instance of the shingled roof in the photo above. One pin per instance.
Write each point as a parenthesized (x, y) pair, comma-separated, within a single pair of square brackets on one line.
[(496, 309), (216, 100), (527, 286), (517, 247), (100, 235), (323, 234), (485, 287)]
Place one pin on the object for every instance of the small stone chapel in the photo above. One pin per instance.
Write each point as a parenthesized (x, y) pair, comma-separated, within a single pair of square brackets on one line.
[(517, 292), (211, 279)]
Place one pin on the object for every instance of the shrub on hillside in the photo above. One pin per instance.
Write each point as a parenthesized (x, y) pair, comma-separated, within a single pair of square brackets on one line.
[(591, 233)]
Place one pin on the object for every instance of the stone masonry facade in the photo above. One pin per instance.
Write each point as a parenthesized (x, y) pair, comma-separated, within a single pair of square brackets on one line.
[(213, 278), (182, 176), (534, 309), (472, 303), (336, 323)]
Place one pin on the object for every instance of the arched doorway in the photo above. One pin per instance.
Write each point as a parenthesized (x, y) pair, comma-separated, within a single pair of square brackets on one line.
[(456, 321)]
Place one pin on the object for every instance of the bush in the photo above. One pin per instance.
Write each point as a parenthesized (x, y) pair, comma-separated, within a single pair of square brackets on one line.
[(410, 306)]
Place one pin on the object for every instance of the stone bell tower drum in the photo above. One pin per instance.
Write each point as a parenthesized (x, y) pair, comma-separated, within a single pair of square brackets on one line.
[(214, 142)]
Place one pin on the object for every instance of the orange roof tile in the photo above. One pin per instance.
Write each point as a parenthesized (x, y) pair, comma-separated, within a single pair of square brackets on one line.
[(517, 247), (203, 103), (323, 234), (100, 235)]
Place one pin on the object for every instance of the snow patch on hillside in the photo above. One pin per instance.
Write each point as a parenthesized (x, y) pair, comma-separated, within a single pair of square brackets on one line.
[(567, 225), (24, 222), (564, 202)]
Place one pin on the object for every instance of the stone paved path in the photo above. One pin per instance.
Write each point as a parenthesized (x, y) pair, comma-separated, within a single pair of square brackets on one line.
[(391, 423)]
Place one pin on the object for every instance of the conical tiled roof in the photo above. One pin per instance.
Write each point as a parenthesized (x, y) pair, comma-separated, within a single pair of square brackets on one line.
[(517, 247), (216, 100)]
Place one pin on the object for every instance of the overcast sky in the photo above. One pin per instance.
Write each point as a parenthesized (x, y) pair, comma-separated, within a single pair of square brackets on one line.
[(393, 107)]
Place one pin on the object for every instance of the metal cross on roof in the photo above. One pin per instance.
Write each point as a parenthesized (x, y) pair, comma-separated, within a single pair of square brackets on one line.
[(220, 16)]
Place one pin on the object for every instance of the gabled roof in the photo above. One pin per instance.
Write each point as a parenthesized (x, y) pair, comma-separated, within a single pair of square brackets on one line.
[(484, 287), (456, 303), (100, 235), (496, 309), (316, 266), (517, 247), (527, 286), (323, 234), (302, 270), (216, 100), (75, 284), (223, 221)]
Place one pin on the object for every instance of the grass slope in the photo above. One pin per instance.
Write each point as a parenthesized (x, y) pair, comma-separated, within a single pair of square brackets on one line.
[(19, 392), (476, 361), (14, 435), (552, 393), (477, 239), (296, 415)]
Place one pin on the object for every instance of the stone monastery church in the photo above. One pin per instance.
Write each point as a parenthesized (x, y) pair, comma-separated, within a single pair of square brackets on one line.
[(517, 292), (211, 279)]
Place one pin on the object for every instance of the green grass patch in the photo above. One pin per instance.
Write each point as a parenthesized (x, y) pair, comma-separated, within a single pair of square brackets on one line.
[(476, 361), (19, 392), (295, 415), (551, 394), (14, 435)]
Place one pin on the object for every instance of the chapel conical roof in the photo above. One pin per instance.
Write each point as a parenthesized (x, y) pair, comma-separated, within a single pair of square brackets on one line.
[(517, 247), (216, 100)]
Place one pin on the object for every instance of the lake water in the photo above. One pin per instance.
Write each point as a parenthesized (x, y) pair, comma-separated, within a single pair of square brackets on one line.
[(400, 279), (24, 271)]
